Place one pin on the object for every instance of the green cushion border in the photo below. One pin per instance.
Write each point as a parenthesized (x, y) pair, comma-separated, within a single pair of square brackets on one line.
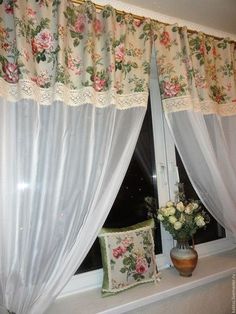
[(102, 240), (146, 223)]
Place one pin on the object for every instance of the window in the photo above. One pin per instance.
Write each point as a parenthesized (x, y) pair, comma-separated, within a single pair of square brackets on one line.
[(154, 170)]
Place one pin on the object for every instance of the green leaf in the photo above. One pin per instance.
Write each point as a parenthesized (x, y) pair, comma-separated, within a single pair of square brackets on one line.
[(146, 27), (38, 58), (90, 70), (116, 43), (43, 57), (199, 56), (106, 13), (73, 34), (118, 66), (123, 270), (38, 29), (175, 29), (76, 42), (126, 261), (119, 18)]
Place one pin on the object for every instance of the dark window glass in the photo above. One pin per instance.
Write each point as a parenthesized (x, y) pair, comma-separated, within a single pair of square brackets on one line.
[(214, 230), (139, 182)]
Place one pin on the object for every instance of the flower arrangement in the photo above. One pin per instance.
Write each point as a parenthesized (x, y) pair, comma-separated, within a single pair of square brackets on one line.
[(183, 218)]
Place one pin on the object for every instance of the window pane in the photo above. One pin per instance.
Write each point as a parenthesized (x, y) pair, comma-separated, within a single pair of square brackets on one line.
[(214, 230), (139, 182)]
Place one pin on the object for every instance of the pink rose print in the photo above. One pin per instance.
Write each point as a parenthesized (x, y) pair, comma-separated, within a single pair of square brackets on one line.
[(171, 89), (138, 22), (214, 51), (120, 53), (229, 87), (80, 24), (98, 83), (5, 46), (30, 13), (43, 41), (202, 48), (165, 39), (9, 8), (97, 26), (42, 79), (141, 266), (11, 72), (127, 241), (26, 55), (118, 252), (111, 68), (71, 63)]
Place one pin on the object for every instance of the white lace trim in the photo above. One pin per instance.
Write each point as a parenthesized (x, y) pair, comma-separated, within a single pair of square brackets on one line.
[(206, 107), (26, 89)]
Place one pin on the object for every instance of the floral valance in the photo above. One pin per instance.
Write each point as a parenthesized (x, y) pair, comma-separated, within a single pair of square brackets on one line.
[(196, 71), (55, 50)]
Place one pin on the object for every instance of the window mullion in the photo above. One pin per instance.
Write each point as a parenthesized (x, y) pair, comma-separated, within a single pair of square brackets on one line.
[(162, 176)]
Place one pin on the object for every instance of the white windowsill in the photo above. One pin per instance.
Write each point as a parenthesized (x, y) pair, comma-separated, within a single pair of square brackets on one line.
[(209, 269)]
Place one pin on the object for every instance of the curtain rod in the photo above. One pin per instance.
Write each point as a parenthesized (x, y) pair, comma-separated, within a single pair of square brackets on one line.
[(139, 17)]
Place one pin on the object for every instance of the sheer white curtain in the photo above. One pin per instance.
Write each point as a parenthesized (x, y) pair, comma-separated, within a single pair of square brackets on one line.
[(207, 146), (198, 87), (60, 170)]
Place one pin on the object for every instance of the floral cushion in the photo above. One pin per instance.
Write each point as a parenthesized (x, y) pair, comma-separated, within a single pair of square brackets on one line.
[(128, 256)]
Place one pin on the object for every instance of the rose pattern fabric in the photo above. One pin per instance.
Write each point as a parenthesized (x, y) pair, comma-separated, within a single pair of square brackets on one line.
[(131, 257), (128, 257), (60, 50), (196, 71)]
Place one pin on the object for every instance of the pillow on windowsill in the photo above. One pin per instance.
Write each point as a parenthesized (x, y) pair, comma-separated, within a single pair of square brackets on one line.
[(128, 256)]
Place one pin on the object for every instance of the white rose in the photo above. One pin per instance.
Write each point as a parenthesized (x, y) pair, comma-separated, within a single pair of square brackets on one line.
[(180, 206), (195, 206), (165, 212), (172, 219), (160, 217), (182, 218), (189, 209), (177, 225), (169, 204), (160, 210), (171, 210), (199, 220)]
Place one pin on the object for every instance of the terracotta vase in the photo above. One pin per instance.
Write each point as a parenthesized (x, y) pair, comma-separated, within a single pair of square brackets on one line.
[(184, 258)]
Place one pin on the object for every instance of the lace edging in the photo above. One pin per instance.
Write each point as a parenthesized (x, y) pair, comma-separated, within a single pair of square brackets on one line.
[(206, 107), (26, 89)]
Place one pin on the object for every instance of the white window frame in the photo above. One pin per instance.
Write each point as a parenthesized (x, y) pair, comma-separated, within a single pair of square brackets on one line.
[(167, 177)]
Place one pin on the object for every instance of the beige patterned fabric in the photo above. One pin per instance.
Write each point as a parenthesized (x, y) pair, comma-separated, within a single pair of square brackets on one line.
[(197, 72), (55, 50), (128, 257)]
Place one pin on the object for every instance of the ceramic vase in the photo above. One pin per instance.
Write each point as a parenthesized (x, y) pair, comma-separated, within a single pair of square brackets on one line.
[(184, 258)]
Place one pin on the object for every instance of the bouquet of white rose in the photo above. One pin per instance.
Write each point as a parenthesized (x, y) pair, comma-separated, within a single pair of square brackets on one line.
[(182, 219)]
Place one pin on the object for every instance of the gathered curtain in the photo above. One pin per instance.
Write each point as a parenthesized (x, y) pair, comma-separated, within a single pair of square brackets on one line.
[(74, 89), (197, 77)]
